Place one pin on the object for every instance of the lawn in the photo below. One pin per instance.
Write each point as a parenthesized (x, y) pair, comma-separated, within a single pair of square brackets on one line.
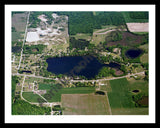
[(45, 86), (54, 94), (85, 104)]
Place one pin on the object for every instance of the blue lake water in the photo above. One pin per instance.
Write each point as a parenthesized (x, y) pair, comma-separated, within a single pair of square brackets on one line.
[(87, 66)]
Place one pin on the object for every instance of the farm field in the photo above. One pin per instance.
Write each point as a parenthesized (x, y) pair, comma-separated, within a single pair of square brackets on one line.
[(85, 104), (130, 111), (19, 21), (120, 83), (138, 27), (54, 94), (120, 97), (18, 25)]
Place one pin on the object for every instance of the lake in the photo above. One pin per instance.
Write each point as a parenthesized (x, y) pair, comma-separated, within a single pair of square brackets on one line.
[(133, 53), (87, 66)]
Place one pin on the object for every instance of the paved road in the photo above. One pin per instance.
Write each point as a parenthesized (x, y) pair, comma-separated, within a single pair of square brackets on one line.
[(113, 78), (17, 74)]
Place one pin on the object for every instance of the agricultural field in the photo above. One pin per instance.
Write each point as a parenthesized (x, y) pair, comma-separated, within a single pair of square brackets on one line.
[(123, 91), (120, 86), (55, 93), (18, 25), (138, 27), (85, 104)]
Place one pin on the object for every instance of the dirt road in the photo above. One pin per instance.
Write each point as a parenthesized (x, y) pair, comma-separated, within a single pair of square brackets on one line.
[(24, 40)]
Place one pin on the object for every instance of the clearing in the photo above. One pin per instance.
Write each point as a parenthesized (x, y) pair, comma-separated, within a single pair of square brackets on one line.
[(32, 36)]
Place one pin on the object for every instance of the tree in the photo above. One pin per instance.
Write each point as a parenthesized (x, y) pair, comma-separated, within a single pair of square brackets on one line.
[(105, 71)]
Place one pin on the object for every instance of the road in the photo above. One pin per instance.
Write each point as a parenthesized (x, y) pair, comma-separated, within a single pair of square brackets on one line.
[(24, 40), (107, 31), (113, 78), (17, 74)]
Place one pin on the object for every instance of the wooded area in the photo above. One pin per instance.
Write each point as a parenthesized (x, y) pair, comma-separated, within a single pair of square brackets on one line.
[(85, 22), (79, 44), (33, 49), (139, 15)]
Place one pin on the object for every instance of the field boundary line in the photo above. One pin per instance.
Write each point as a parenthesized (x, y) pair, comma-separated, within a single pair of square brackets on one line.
[(110, 111)]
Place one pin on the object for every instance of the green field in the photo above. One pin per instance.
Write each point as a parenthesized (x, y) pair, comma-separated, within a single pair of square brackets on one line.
[(54, 94), (45, 86), (129, 111), (140, 85), (129, 19), (29, 96), (120, 96)]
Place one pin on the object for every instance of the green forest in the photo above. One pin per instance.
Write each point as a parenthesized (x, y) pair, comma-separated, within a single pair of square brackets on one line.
[(77, 24), (139, 15), (21, 107), (79, 44)]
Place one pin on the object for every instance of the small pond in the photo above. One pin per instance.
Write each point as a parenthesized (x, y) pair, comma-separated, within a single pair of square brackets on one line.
[(133, 53), (26, 71), (99, 93), (135, 91)]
